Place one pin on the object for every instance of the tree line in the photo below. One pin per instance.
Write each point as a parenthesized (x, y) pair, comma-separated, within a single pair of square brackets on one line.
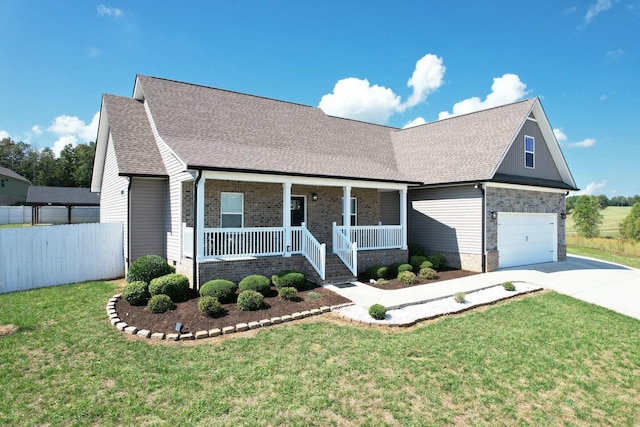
[(604, 201), (587, 216), (72, 168)]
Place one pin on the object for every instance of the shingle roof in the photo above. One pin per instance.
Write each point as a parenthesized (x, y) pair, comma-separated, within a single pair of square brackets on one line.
[(62, 196), (135, 147), (12, 174), (460, 149)]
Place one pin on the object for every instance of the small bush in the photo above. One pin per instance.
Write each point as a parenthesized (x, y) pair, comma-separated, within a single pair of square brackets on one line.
[(381, 282), (209, 306), (377, 272), (224, 290), (415, 249), (437, 260), (405, 267), (425, 264), (378, 311), (392, 270), (288, 279), (136, 293), (314, 295), (460, 297), (288, 293), (147, 268), (160, 303), (428, 273), (407, 277), (509, 286), (250, 300), (255, 282), (416, 261), (176, 286)]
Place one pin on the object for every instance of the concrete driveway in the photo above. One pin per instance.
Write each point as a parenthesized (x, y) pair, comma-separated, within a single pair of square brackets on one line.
[(613, 286)]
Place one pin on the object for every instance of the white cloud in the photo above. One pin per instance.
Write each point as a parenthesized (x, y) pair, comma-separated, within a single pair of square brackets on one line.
[(63, 141), (357, 99), (585, 143), (560, 136), (415, 122), (36, 130), (109, 11), (504, 90), (4, 134), (596, 8), (615, 53), (70, 130), (591, 189), (427, 77)]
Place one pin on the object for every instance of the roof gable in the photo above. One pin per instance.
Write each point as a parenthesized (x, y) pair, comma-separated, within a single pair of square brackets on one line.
[(11, 174)]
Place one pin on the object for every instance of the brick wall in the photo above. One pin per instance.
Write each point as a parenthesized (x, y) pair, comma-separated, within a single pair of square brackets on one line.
[(367, 259), (237, 270)]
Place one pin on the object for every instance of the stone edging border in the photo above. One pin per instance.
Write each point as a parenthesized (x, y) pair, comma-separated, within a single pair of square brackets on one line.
[(115, 320)]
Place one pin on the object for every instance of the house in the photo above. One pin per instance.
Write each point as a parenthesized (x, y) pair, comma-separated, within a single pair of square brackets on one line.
[(13, 187), (67, 197), (224, 184)]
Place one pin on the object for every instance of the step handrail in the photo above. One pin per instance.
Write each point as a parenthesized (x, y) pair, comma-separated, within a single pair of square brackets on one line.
[(346, 250)]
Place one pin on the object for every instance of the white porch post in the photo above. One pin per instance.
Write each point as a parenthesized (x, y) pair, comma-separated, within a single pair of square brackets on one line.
[(200, 224), (403, 217), (346, 210), (286, 217)]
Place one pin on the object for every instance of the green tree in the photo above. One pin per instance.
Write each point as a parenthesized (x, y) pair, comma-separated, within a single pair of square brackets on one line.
[(604, 201), (630, 227), (570, 202), (587, 216)]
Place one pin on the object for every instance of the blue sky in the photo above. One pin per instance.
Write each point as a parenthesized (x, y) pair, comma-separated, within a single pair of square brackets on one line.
[(388, 62)]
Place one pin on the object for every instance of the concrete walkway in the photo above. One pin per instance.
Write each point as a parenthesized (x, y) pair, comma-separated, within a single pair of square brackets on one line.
[(609, 285)]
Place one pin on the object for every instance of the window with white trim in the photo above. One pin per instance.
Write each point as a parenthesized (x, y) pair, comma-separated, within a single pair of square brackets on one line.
[(354, 212), (529, 152), (231, 210)]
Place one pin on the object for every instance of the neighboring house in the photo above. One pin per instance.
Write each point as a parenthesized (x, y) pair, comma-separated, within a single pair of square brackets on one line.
[(13, 187), (69, 197), (224, 184)]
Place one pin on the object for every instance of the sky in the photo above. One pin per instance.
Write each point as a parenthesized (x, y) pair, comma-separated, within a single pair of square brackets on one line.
[(397, 63)]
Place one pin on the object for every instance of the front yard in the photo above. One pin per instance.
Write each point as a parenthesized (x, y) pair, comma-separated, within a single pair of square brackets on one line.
[(543, 360)]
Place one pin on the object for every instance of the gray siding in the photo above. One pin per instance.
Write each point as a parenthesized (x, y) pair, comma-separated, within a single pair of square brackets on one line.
[(113, 194), (390, 207), (446, 219), (513, 163), (148, 227)]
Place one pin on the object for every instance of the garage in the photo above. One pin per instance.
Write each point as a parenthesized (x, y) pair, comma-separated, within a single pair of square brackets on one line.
[(527, 238)]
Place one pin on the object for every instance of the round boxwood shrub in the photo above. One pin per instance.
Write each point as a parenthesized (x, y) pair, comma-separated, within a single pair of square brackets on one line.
[(160, 304), (407, 277), (415, 249), (428, 273), (509, 286), (175, 286), (404, 267), (377, 272), (425, 264), (392, 270), (255, 282), (378, 311), (147, 268), (250, 300), (437, 260), (136, 293), (224, 290), (209, 306), (288, 279), (416, 260), (287, 293)]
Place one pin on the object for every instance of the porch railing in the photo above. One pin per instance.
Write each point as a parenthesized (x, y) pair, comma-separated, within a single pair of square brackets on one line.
[(346, 250), (373, 237), (313, 251)]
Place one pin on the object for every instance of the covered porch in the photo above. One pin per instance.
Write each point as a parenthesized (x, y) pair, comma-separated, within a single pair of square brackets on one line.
[(239, 216)]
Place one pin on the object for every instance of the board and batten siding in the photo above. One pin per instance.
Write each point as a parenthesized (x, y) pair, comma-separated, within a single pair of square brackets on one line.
[(390, 207), (446, 219), (513, 162), (114, 194), (148, 206), (38, 257)]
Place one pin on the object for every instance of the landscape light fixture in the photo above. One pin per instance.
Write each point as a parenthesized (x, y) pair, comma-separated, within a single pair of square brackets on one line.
[(179, 327)]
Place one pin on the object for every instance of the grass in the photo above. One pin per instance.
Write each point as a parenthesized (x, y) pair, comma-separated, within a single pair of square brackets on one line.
[(612, 216), (14, 225), (543, 360)]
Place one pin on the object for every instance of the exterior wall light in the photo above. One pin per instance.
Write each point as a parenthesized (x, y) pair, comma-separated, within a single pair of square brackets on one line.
[(563, 215), (494, 215), (314, 197)]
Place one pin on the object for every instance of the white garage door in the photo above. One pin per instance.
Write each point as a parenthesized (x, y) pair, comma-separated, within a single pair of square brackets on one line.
[(526, 238)]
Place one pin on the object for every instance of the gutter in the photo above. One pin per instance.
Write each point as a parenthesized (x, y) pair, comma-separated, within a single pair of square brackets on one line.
[(196, 284), (484, 227), (129, 222)]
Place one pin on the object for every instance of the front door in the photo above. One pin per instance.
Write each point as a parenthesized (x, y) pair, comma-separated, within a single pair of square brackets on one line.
[(298, 210)]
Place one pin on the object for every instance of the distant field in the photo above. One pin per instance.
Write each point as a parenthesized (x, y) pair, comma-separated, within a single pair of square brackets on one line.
[(612, 217)]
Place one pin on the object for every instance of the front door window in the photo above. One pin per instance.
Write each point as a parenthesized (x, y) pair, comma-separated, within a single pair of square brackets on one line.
[(297, 211)]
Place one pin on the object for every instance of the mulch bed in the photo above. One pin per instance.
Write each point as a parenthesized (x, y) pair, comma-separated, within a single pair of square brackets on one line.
[(443, 274)]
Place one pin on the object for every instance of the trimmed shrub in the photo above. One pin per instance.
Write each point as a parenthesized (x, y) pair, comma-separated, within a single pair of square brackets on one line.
[(209, 306), (287, 293), (175, 286), (160, 303), (428, 273), (404, 267), (377, 272), (378, 311), (147, 268), (136, 293), (460, 297), (392, 270), (255, 282), (250, 300), (425, 264), (415, 249), (224, 290), (437, 260), (416, 261), (509, 286), (314, 295), (288, 279), (407, 277)]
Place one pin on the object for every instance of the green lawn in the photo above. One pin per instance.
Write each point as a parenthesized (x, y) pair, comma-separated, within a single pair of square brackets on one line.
[(612, 216), (543, 360), (14, 225)]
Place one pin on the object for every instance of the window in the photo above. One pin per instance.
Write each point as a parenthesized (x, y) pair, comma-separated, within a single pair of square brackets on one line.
[(529, 152), (354, 212), (231, 210)]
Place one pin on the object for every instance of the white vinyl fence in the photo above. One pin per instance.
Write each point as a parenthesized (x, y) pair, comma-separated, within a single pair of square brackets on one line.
[(49, 214), (37, 257)]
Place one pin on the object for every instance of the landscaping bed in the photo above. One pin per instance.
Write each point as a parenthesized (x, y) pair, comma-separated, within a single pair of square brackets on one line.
[(391, 284)]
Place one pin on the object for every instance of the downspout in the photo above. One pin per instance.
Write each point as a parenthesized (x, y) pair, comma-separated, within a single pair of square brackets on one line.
[(194, 260), (129, 222), (484, 227)]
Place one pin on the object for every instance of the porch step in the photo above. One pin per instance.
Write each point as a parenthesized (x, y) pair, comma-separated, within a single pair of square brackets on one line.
[(336, 271)]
